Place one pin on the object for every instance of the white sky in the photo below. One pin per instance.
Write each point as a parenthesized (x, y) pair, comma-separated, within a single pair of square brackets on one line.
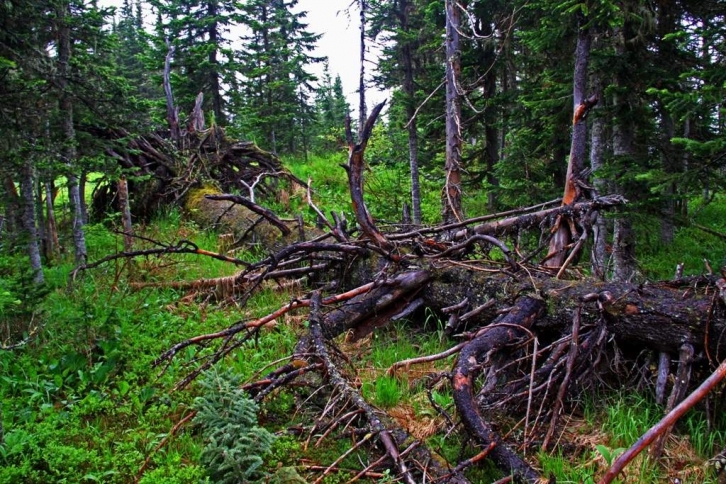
[(341, 45)]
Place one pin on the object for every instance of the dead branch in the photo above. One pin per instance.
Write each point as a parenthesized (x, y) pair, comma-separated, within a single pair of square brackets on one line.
[(181, 247), (665, 423), (342, 385), (163, 442), (355, 168), (268, 214)]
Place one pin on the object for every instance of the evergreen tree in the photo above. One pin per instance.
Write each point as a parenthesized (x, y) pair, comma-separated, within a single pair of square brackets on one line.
[(332, 108), (203, 60), (276, 87)]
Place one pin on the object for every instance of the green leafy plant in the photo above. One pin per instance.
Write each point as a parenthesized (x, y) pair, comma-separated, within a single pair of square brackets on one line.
[(235, 445)]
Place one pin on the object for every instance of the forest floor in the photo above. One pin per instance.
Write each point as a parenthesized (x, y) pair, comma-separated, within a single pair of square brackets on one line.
[(82, 400)]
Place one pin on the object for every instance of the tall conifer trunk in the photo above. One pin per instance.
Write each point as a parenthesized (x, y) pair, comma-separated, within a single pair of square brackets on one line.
[(451, 199), (623, 151), (562, 237), (214, 83), (362, 109), (68, 151), (409, 89), (29, 221), (598, 256), (51, 227)]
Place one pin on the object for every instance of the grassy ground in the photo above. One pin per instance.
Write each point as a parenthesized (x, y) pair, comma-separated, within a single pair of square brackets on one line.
[(82, 402)]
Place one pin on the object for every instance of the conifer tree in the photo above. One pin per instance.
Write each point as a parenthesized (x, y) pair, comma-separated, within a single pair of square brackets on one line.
[(200, 31), (332, 108), (276, 86)]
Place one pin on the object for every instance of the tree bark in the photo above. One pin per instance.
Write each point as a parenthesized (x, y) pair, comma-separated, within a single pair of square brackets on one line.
[(409, 89), (29, 222), (68, 151), (214, 81), (451, 199), (51, 230), (123, 201), (598, 255), (362, 109), (624, 267), (172, 112), (563, 235)]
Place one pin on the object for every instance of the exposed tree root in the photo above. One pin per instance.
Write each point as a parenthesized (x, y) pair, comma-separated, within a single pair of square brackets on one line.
[(506, 331)]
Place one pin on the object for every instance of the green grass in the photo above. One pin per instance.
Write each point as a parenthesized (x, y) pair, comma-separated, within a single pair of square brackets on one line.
[(691, 245), (81, 402)]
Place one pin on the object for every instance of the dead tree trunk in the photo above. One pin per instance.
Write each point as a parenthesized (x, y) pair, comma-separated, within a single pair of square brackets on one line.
[(451, 199), (172, 112), (565, 231)]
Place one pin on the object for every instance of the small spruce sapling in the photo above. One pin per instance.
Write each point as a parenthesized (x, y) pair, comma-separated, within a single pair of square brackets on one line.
[(235, 445)]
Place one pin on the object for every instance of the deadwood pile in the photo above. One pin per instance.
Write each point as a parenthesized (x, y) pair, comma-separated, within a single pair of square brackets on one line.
[(530, 339)]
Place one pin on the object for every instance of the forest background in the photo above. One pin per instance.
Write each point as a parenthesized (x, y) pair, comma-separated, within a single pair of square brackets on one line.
[(81, 81)]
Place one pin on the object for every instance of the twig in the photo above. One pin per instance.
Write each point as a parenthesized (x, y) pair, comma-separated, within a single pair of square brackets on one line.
[(425, 359), (531, 384), (337, 379), (469, 462), (355, 447), (163, 442), (571, 357)]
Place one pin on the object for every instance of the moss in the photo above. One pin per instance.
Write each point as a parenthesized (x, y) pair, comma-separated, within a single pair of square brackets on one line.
[(195, 197)]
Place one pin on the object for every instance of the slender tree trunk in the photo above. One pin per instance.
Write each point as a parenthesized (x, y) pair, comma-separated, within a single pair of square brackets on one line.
[(624, 267), (362, 109), (68, 152), (667, 19), (123, 200), (172, 112), (82, 184), (43, 243), (409, 90), (491, 135), (214, 83), (51, 224), (563, 237), (451, 199), (11, 197), (29, 221), (598, 256)]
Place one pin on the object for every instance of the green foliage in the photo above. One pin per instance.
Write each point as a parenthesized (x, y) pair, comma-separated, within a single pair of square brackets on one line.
[(388, 391), (19, 295), (629, 417), (706, 442), (275, 93), (691, 245), (235, 445), (565, 470)]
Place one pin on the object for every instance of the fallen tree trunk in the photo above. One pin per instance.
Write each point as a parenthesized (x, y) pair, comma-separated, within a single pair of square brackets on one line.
[(525, 339), (656, 317)]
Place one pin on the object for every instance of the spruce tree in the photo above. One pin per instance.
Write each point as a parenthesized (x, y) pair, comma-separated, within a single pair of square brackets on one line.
[(277, 87)]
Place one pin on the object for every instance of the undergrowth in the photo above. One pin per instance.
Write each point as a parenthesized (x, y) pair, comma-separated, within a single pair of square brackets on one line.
[(82, 402)]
